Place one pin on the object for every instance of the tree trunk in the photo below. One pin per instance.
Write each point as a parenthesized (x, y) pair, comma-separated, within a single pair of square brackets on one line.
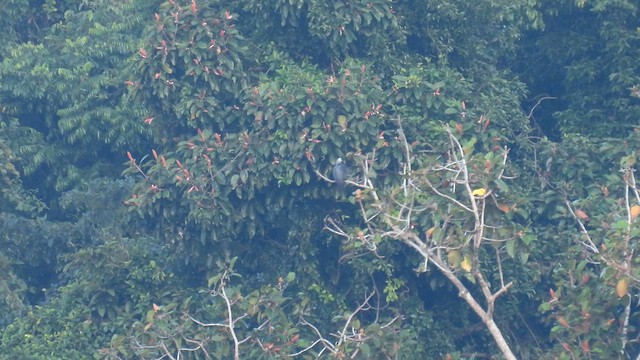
[(497, 336), (486, 318)]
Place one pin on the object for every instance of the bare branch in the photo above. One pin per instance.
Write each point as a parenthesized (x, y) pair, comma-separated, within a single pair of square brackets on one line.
[(538, 104), (347, 334), (588, 243), (230, 325), (397, 222)]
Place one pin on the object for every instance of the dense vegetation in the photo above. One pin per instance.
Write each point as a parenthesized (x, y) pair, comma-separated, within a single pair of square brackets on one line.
[(165, 179)]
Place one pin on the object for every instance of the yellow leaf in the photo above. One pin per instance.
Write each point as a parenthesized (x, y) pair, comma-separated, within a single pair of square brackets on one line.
[(466, 263), (430, 231), (622, 287), (635, 211), (453, 257), (342, 121), (479, 192)]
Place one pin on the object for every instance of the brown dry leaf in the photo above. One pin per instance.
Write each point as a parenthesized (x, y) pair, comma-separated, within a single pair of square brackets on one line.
[(634, 211)]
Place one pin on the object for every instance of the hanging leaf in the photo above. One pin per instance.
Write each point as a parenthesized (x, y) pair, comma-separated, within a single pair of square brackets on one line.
[(622, 287), (466, 264), (511, 248), (430, 231), (453, 257)]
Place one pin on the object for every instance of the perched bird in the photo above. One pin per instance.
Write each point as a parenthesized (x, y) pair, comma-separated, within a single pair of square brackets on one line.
[(340, 173)]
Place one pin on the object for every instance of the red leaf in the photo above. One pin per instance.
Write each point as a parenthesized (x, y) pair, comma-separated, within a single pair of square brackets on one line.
[(582, 215), (585, 346)]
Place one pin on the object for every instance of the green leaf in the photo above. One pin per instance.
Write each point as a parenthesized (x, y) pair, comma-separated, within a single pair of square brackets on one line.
[(501, 185), (150, 315), (511, 248), (212, 281)]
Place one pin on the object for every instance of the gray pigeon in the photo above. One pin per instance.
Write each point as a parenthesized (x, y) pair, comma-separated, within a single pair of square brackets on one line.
[(340, 173)]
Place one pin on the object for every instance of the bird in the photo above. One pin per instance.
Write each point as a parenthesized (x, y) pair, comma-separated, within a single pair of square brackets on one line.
[(340, 173)]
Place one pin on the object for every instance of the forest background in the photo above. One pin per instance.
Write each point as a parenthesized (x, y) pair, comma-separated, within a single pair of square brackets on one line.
[(165, 179)]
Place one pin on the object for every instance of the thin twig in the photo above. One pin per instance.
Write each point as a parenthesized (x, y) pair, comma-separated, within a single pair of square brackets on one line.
[(589, 244)]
